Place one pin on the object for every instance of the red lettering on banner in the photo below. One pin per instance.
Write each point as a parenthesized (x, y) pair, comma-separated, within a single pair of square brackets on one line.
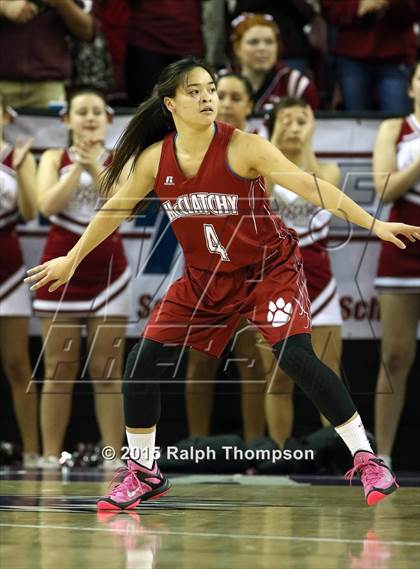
[(146, 305), (359, 309)]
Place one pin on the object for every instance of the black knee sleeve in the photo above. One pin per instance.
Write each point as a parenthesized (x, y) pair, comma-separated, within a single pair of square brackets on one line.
[(297, 358), (140, 385)]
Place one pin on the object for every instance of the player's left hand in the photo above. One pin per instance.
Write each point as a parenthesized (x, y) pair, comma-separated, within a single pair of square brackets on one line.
[(388, 231)]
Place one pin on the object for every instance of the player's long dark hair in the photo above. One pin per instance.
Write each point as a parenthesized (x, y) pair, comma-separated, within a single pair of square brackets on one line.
[(152, 120)]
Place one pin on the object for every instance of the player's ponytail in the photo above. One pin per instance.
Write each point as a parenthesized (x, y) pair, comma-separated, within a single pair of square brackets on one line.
[(151, 122)]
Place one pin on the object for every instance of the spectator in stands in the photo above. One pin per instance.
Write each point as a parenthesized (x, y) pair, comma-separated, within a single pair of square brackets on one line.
[(257, 47), (35, 61), (396, 163), (17, 197), (112, 16), (159, 33), (374, 47), (291, 16)]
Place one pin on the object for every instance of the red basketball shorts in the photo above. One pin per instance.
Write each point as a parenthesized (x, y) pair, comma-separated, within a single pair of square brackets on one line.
[(202, 309)]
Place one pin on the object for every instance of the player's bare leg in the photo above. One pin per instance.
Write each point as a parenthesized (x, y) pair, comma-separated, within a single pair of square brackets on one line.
[(61, 365), (199, 391), (106, 341), (279, 406), (15, 361), (251, 369), (399, 317)]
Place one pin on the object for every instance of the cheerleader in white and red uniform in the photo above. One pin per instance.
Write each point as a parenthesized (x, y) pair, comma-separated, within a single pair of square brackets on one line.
[(291, 127), (397, 181), (97, 297), (17, 196)]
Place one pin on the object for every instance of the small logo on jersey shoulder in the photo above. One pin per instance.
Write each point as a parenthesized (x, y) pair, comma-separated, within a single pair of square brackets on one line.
[(169, 181), (279, 313)]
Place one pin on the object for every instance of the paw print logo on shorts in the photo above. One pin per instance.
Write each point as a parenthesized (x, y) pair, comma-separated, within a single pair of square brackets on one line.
[(279, 313)]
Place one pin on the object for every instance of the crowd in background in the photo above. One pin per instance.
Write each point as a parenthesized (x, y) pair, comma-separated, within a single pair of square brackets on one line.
[(352, 55)]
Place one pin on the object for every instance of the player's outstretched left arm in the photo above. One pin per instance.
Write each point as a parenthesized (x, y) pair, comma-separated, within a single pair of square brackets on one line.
[(265, 159)]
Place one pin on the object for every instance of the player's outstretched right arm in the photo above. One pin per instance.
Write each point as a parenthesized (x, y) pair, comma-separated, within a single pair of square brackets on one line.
[(140, 183)]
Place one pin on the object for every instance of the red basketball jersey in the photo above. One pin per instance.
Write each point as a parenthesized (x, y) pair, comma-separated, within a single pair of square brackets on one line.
[(221, 220)]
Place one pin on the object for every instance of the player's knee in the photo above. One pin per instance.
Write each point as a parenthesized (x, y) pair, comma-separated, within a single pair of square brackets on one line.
[(60, 372), (110, 386), (281, 384), (142, 372), (398, 359), (292, 352), (17, 369), (104, 371)]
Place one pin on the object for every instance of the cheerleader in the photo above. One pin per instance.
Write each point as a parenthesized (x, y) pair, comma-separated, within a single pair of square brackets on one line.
[(235, 96), (17, 197), (396, 165), (97, 298), (291, 126)]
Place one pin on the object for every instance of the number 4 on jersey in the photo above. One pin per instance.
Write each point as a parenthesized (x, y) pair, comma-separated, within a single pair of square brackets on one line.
[(213, 242)]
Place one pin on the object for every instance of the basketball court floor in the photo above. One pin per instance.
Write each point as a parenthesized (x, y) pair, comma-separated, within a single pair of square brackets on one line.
[(48, 520)]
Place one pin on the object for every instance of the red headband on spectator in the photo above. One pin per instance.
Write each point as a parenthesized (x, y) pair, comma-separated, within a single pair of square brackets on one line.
[(247, 20)]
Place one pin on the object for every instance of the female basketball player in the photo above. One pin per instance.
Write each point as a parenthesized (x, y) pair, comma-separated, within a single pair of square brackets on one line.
[(291, 127), (17, 196), (396, 164), (241, 261), (68, 193), (235, 105)]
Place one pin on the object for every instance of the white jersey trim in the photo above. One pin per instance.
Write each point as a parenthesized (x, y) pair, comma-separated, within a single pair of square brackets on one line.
[(314, 236), (328, 291), (9, 218), (412, 121), (86, 306), (73, 226), (398, 282), (412, 197), (12, 281)]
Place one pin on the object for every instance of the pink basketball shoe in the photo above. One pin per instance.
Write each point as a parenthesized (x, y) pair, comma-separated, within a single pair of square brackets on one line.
[(134, 484), (377, 479)]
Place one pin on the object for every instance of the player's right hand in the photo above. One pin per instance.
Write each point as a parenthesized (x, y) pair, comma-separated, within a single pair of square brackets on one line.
[(57, 271)]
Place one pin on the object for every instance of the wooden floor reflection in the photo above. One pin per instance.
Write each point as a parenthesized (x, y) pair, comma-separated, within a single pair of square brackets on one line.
[(49, 524)]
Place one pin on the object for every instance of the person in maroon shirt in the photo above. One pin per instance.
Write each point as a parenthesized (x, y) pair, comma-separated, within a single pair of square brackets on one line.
[(257, 47), (374, 48), (158, 33), (35, 60), (291, 16)]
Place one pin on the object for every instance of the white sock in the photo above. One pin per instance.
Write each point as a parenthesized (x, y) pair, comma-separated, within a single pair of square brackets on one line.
[(142, 447), (354, 435)]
